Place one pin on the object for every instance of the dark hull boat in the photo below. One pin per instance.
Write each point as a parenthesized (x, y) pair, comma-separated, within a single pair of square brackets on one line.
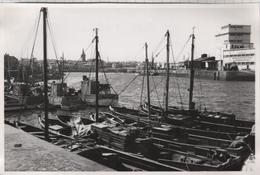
[(119, 160), (241, 146), (218, 118), (76, 129), (56, 127), (174, 154), (137, 116), (190, 157), (197, 120)]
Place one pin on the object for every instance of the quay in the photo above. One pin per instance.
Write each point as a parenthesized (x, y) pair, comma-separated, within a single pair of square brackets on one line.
[(24, 152)]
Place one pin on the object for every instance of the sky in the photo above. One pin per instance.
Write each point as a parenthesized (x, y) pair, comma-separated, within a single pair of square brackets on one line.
[(123, 29)]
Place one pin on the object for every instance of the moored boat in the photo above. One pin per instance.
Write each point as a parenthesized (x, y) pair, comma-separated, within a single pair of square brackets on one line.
[(76, 129), (195, 129), (204, 116), (105, 96)]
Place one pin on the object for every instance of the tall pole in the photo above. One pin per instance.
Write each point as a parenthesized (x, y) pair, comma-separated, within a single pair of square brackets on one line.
[(148, 85), (44, 11), (191, 106), (97, 83), (8, 71), (32, 70), (167, 70), (62, 70)]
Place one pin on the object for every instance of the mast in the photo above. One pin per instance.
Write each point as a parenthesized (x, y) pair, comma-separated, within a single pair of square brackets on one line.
[(167, 70), (62, 70), (32, 70), (148, 85), (97, 83), (191, 105), (8, 71), (44, 11)]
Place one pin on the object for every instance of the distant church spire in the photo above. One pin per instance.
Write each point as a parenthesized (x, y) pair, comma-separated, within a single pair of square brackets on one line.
[(83, 55)]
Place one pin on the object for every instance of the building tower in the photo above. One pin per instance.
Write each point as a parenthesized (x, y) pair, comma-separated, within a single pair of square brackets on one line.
[(83, 56), (235, 48)]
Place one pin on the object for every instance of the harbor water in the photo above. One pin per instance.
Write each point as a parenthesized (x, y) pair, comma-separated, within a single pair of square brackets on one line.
[(225, 96)]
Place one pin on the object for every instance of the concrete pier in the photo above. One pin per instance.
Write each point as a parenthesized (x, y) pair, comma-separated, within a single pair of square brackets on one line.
[(24, 152)]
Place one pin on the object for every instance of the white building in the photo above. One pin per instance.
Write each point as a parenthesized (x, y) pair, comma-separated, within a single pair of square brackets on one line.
[(234, 47)]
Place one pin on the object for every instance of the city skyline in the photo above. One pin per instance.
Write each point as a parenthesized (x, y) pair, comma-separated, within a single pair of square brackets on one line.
[(123, 29)]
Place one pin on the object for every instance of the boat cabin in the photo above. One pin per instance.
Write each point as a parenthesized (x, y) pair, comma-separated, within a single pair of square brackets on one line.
[(58, 89), (89, 87), (20, 89)]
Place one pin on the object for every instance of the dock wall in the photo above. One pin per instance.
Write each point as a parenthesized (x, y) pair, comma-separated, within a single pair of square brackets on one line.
[(216, 75), (24, 152)]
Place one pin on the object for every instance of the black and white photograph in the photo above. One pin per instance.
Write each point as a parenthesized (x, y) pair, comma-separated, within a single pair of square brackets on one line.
[(129, 86)]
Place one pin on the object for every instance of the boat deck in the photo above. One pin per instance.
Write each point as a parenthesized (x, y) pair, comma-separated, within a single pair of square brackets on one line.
[(24, 152)]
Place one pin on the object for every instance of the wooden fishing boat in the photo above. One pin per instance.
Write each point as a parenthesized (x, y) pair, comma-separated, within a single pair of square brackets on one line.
[(241, 146), (111, 157), (174, 154), (188, 121), (55, 127), (204, 116), (75, 130), (158, 121), (68, 120), (221, 122), (190, 157)]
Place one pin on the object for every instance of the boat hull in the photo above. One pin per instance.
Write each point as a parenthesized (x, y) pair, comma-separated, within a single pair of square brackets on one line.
[(103, 100)]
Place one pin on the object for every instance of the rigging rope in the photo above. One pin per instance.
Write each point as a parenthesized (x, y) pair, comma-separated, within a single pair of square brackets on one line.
[(128, 84), (35, 37), (102, 65), (178, 86), (184, 46), (54, 45), (52, 36), (91, 56), (37, 19), (160, 43), (158, 53), (157, 94), (141, 96), (154, 87), (200, 92)]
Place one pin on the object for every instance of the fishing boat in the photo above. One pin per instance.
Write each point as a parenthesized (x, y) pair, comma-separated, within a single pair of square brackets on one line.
[(204, 116), (106, 97), (190, 157), (211, 118), (185, 135), (206, 125), (75, 128), (174, 154), (64, 97), (155, 120), (116, 158), (24, 95), (67, 120)]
